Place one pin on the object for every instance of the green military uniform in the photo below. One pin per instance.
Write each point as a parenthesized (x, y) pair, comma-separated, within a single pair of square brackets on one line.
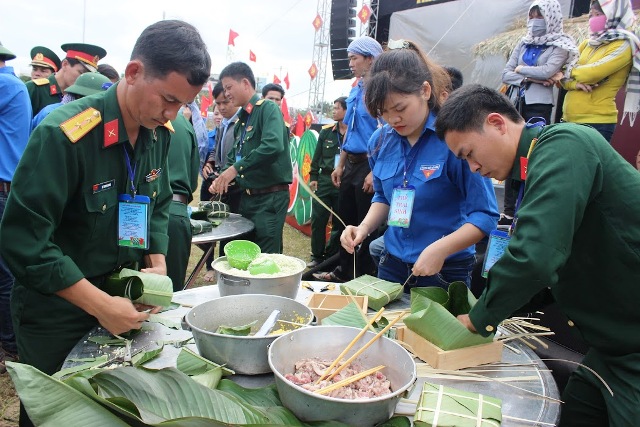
[(60, 224), (260, 154), (324, 158), (183, 166), (578, 233), (43, 92)]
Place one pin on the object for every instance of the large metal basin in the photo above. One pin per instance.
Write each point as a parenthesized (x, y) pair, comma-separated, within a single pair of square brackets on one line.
[(245, 355), (282, 285), (327, 342)]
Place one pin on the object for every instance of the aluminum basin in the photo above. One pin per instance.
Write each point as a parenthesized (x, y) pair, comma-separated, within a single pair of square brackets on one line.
[(245, 355), (327, 342)]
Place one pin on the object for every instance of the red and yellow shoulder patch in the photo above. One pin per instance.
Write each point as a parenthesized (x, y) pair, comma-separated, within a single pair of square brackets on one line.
[(40, 82), (169, 126), (80, 124)]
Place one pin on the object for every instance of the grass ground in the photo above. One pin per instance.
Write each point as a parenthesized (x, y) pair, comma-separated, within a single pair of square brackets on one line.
[(295, 244)]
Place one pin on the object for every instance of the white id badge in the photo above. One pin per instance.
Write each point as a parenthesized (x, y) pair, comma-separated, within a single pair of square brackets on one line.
[(336, 161), (498, 242), (401, 206), (133, 221)]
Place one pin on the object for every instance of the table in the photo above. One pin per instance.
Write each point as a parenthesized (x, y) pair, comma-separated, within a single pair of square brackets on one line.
[(515, 403), (233, 226)]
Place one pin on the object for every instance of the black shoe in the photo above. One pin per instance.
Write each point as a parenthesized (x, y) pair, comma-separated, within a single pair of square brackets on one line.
[(505, 219)]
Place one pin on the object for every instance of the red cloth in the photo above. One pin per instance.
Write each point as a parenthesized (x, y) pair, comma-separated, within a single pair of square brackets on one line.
[(232, 37), (299, 130), (252, 56), (286, 80), (276, 80), (285, 111)]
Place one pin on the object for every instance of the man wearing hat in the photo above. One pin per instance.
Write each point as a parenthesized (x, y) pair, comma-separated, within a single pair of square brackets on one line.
[(80, 58), (44, 62), (353, 174), (85, 85), (15, 111)]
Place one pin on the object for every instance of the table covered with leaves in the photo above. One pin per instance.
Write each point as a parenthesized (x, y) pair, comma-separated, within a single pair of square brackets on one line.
[(179, 388)]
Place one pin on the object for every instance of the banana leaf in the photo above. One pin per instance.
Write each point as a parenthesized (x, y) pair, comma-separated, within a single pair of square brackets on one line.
[(169, 323), (433, 316), (350, 315), (380, 292), (157, 289), (140, 397), (89, 364), (105, 340), (192, 363), (456, 408), (238, 331)]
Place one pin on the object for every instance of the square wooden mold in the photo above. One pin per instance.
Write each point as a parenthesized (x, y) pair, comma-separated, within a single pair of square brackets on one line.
[(324, 305), (450, 359)]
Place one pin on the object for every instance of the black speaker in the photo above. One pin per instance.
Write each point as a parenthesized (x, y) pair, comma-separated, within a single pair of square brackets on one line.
[(341, 32)]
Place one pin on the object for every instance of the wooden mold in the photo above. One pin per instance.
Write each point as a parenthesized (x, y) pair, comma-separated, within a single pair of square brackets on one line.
[(450, 359), (324, 305)]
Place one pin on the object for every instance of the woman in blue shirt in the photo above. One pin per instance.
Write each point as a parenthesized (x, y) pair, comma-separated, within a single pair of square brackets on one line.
[(437, 210)]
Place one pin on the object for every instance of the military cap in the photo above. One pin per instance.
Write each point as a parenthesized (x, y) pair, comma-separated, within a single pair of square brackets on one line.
[(89, 83), (87, 54), (44, 57), (5, 54)]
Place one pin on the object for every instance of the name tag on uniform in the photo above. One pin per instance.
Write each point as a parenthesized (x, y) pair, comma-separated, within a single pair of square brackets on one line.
[(498, 242), (238, 157), (401, 206), (133, 221)]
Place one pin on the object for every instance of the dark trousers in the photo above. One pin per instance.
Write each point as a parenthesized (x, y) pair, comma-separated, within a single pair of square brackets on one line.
[(268, 212), (179, 244), (354, 205), (7, 337), (329, 194), (529, 111)]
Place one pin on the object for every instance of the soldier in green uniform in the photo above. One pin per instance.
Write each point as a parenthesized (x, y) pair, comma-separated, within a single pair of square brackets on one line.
[(59, 234), (183, 167), (44, 62), (325, 158), (80, 58), (259, 160), (576, 238)]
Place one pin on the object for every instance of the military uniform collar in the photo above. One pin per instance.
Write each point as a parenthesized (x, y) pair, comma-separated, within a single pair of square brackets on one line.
[(523, 149), (54, 87), (115, 132), (248, 108)]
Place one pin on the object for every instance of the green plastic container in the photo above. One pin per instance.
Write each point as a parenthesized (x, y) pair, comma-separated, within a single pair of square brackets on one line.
[(263, 266), (240, 253)]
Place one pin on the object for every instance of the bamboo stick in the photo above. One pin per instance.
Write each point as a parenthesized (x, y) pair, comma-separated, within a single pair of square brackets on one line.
[(348, 347), (364, 316), (357, 353), (349, 380)]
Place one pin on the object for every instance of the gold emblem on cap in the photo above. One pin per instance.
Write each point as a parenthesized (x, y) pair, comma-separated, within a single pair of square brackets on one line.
[(38, 57)]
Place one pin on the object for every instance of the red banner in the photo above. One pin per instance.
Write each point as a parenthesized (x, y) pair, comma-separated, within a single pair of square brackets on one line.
[(252, 56), (232, 37)]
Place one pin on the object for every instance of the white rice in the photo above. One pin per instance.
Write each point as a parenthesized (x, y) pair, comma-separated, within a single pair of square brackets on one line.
[(288, 266)]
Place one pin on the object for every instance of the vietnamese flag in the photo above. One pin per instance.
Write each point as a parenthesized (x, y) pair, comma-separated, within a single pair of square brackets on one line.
[(308, 119), (276, 80), (204, 106), (286, 80), (299, 129), (285, 111), (252, 56), (232, 37)]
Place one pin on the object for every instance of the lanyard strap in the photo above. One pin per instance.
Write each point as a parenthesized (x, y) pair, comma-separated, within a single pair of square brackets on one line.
[(521, 191), (131, 172), (244, 132), (407, 166)]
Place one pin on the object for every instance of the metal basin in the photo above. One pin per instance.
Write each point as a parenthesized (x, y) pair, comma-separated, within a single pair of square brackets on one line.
[(245, 355), (280, 284), (326, 342)]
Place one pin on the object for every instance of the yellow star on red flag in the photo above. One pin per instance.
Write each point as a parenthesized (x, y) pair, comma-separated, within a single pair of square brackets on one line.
[(317, 22), (364, 14), (313, 71)]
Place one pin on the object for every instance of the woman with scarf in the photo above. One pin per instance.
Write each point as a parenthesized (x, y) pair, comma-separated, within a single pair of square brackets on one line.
[(608, 59), (533, 63)]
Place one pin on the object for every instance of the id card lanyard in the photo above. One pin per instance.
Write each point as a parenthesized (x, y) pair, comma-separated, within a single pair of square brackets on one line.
[(133, 213), (499, 240), (242, 135), (336, 159), (403, 195)]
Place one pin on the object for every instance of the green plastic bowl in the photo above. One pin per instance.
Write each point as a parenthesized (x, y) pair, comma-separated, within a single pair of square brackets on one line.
[(240, 253), (263, 266)]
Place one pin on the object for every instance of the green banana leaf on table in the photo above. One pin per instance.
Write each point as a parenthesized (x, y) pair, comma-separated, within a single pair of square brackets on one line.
[(142, 288), (433, 316), (450, 407)]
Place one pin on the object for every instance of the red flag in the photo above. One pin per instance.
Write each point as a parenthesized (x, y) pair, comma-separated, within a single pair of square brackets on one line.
[(276, 80), (313, 71), (308, 119), (204, 106), (364, 14), (286, 80), (252, 56), (299, 130), (232, 37), (317, 22), (285, 111)]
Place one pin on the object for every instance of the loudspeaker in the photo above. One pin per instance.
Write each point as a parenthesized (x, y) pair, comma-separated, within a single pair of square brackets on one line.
[(341, 32)]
